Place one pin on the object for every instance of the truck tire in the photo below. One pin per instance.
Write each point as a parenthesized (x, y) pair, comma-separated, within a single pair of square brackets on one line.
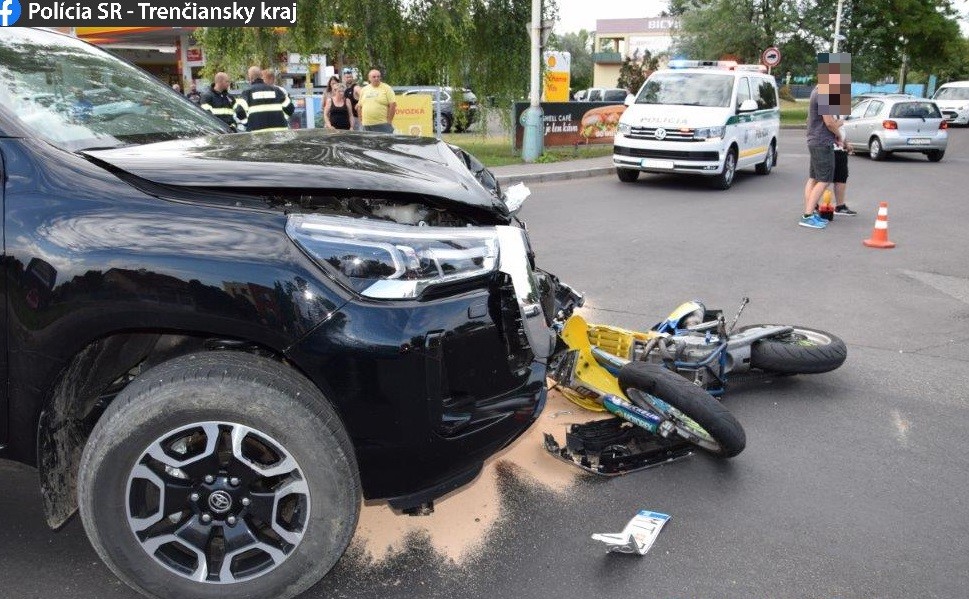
[(219, 474)]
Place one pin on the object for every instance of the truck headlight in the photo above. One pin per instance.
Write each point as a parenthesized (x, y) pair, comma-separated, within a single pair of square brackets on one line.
[(709, 132), (623, 128), (393, 261)]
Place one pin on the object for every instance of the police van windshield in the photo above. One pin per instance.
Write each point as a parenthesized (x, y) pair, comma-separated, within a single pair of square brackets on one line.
[(687, 89), (79, 97)]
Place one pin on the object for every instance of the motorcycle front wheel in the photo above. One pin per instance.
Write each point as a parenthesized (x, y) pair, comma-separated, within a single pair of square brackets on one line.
[(695, 414), (802, 351)]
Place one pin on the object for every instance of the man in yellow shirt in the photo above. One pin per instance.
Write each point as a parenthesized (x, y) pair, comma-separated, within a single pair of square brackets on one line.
[(377, 104)]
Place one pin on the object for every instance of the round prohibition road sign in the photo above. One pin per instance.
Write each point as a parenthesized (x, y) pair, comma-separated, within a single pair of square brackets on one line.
[(771, 56)]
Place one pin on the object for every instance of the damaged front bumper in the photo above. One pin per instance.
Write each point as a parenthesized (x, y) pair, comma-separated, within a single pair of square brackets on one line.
[(428, 389)]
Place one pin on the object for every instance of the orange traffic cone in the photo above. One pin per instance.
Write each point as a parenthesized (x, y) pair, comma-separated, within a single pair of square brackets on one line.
[(879, 235)]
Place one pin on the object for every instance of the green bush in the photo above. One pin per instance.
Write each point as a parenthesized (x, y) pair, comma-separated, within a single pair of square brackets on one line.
[(785, 93)]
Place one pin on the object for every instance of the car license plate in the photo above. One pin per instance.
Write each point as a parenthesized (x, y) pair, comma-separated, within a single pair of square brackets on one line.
[(919, 141), (653, 163)]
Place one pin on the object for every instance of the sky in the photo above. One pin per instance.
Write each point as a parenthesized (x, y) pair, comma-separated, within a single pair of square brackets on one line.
[(582, 14)]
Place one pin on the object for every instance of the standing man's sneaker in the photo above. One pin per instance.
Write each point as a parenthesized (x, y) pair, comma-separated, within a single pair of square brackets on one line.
[(813, 222), (843, 210)]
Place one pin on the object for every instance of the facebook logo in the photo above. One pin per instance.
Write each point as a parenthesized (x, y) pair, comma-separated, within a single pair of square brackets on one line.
[(9, 12)]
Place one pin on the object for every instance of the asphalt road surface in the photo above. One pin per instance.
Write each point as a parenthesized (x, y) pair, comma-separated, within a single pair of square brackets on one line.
[(853, 483)]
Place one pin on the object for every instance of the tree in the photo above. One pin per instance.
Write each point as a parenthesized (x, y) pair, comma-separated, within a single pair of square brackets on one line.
[(579, 46), (956, 68), (732, 29), (480, 44), (633, 72), (876, 32)]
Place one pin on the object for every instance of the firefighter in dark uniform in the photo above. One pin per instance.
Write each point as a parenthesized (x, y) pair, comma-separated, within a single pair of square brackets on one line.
[(263, 107), (217, 100)]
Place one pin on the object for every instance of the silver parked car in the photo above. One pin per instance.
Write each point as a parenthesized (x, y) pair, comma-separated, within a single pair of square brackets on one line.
[(885, 125)]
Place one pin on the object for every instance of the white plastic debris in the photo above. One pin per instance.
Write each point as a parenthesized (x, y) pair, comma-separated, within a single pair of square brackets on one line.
[(639, 534), (515, 196)]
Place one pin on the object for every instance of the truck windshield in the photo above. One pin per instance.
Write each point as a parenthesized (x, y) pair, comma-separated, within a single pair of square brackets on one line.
[(77, 97), (687, 89)]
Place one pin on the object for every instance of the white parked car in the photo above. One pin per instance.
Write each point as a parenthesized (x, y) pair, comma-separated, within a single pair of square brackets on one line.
[(882, 126), (953, 100)]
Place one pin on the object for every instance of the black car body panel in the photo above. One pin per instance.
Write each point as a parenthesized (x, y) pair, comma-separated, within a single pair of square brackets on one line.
[(309, 159), (88, 255), (426, 388), (170, 290), (121, 256)]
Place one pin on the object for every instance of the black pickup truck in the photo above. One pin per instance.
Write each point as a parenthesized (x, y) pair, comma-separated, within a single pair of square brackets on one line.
[(216, 344)]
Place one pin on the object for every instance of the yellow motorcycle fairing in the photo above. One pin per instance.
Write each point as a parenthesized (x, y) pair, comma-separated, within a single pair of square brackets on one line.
[(591, 380), (617, 341)]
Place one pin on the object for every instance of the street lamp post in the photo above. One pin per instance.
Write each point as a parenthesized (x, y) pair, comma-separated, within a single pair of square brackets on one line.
[(903, 71), (532, 117), (837, 27)]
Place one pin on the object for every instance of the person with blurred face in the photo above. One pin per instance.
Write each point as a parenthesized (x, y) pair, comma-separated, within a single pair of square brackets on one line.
[(828, 100)]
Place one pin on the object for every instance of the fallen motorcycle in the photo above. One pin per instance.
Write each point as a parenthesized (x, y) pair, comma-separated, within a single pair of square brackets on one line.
[(697, 344), (649, 396), (662, 381)]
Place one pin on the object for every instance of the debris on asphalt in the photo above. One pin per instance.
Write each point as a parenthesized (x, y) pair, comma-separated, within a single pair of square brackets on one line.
[(613, 447), (639, 534)]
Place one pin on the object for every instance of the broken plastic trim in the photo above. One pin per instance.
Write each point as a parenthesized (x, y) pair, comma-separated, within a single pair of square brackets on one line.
[(610, 447)]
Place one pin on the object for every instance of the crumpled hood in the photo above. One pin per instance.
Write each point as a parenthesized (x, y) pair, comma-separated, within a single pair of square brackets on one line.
[(314, 160)]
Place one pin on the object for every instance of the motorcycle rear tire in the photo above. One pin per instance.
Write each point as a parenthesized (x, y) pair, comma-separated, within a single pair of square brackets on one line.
[(723, 429), (803, 351)]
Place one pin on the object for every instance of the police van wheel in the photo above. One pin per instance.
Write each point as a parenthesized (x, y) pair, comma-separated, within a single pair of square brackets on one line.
[(725, 179), (627, 175), (765, 167)]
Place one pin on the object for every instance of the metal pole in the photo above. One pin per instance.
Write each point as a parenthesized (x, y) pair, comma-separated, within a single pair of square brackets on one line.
[(436, 113), (183, 58), (532, 137), (536, 54), (837, 27)]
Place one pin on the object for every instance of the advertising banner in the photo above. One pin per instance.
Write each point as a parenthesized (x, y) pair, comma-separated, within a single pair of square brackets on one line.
[(573, 123), (196, 58), (415, 116), (558, 66)]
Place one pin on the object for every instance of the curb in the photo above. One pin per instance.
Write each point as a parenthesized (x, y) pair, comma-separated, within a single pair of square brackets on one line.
[(597, 171)]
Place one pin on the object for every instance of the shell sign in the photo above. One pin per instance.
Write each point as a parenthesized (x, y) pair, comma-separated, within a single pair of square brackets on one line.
[(558, 66), (414, 116)]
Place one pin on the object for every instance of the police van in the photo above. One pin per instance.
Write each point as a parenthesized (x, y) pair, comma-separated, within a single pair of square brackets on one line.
[(705, 118)]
